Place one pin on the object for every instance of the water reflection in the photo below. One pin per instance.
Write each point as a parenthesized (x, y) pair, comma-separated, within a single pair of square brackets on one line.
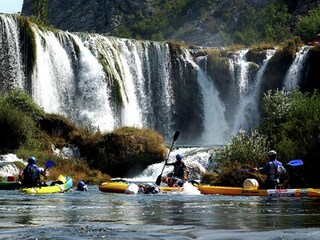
[(94, 214)]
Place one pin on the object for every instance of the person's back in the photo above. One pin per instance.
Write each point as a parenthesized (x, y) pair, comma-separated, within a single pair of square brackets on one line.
[(178, 167), (273, 169), (31, 176)]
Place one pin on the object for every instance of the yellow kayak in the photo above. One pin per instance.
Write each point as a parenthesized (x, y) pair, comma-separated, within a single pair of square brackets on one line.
[(62, 184), (120, 187), (238, 191)]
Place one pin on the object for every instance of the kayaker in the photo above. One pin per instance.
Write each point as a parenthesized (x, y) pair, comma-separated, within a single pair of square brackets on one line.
[(148, 189), (30, 175), (81, 186), (180, 169), (173, 182), (273, 169)]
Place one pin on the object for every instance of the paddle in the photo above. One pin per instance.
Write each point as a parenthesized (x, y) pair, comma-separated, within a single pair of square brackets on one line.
[(292, 163), (295, 163), (49, 164), (175, 137)]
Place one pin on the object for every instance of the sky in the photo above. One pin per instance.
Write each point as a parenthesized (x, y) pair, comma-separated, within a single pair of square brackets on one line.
[(10, 6)]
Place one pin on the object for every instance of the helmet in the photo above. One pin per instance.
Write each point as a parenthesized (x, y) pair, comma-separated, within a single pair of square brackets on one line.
[(272, 153), (179, 156), (82, 186), (32, 160)]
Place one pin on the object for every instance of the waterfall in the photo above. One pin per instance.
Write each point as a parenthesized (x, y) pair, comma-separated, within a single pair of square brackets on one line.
[(92, 98), (197, 159), (215, 124), (247, 113), (7, 166), (293, 75), (53, 77), (132, 70), (108, 82), (11, 69)]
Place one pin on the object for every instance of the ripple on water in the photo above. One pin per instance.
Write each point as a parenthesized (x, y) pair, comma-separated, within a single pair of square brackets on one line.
[(97, 215)]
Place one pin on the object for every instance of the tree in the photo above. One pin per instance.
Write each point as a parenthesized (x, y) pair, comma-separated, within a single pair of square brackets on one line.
[(308, 27)]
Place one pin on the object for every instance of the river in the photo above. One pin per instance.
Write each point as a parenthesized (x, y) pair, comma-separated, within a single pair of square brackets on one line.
[(98, 215)]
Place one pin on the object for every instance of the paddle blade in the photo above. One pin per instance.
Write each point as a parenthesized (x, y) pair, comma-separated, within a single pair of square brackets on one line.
[(49, 164), (176, 135), (295, 163), (158, 181)]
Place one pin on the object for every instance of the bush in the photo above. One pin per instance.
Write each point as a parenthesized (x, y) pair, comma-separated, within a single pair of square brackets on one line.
[(243, 149), (308, 26), (20, 100), (291, 120), (127, 151), (15, 127)]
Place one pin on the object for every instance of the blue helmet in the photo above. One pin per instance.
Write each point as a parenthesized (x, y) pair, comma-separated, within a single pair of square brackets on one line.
[(32, 160), (179, 156), (82, 186)]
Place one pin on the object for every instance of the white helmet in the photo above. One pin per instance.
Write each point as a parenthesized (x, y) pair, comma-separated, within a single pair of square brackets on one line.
[(272, 152)]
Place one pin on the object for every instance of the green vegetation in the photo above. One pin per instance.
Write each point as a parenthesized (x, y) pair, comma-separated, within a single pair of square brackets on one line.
[(309, 26), (41, 9), (243, 149), (242, 23), (27, 130), (127, 151), (237, 159), (29, 44), (290, 124)]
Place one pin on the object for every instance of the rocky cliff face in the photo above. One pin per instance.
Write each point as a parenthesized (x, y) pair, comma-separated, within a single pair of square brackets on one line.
[(100, 16), (193, 26)]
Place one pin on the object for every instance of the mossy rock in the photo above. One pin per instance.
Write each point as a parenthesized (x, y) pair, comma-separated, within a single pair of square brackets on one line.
[(126, 152), (58, 126)]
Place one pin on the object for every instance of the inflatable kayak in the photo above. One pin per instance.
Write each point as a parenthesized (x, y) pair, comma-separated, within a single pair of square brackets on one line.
[(62, 184), (10, 185), (238, 191), (121, 187)]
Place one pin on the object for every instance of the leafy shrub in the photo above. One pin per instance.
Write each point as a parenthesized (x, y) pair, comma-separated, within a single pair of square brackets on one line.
[(291, 120), (243, 149), (20, 100), (209, 178), (15, 127), (309, 26)]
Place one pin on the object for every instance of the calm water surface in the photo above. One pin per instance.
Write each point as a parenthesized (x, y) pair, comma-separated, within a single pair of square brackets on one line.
[(97, 215)]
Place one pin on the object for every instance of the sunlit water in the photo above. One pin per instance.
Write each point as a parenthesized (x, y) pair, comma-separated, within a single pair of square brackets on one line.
[(98, 215)]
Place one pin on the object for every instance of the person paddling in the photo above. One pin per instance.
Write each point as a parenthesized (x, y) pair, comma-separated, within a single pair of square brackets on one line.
[(30, 175), (273, 169), (179, 169)]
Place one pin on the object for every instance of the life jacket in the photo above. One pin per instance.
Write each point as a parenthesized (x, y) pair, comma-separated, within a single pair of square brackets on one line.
[(178, 169), (275, 170), (31, 175)]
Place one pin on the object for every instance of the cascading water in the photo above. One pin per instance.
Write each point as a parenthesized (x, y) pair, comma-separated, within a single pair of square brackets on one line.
[(109, 82), (247, 114), (11, 69), (293, 75), (92, 99), (53, 77), (215, 124), (197, 159), (7, 165)]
